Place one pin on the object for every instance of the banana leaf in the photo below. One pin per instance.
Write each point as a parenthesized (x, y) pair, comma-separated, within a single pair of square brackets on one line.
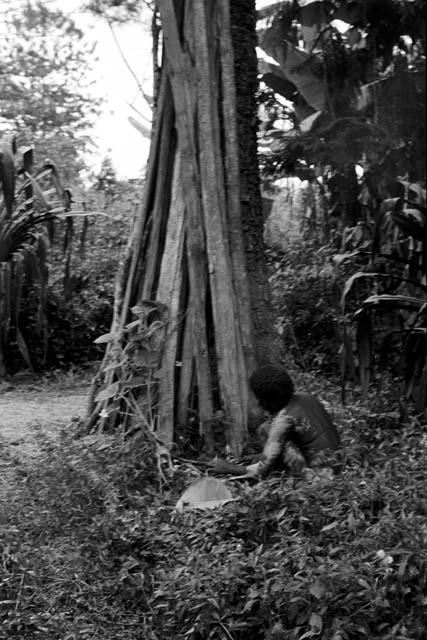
[(31, 203), (293, 63), (348, 285), (141, 127), (313, 19), (389, 300)]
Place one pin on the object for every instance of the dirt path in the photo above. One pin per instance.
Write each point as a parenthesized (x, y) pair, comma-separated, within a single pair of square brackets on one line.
[(31, 408)]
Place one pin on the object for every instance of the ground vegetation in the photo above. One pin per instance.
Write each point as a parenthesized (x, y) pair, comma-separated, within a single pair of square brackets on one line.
[(91, 545)]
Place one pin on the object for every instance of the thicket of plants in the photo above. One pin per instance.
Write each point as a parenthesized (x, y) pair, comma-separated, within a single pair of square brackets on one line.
[(59, 254), (351, 85), (33, 202), (80, 292), (92, 546)]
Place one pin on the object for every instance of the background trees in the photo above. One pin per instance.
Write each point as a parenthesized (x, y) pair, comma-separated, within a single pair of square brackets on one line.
[(63, 296), (45, 81)]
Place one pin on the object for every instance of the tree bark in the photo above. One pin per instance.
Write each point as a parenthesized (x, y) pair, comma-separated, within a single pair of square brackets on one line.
[(244, 41)]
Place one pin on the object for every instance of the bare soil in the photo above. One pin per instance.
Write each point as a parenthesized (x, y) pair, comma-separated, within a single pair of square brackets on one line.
[(31, 407)]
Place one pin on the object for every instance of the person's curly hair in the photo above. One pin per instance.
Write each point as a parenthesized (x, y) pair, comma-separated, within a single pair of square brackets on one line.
[(272, 387)]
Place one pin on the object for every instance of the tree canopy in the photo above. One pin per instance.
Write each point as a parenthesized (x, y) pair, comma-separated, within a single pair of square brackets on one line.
[(45, 83), (351, 75)]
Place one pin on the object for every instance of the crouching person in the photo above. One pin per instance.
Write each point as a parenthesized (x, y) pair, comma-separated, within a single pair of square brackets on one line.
[(299, 432)]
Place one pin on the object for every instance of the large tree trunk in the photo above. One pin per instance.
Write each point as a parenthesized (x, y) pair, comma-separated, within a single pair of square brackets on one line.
[(199, 228), (244, 41)]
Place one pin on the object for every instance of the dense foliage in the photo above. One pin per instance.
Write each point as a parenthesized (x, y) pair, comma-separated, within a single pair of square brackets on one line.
[(58, 260), (91, 545), (349, 122), (83, 264), (32, 202), (305, 290)]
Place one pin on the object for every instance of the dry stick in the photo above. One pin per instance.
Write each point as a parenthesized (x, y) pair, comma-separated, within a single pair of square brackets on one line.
[(227, 331), (123, 57), (196, 463), (226, 631), (18, 597), (169, 292), (181, 81), (136, 409), (160, 450)]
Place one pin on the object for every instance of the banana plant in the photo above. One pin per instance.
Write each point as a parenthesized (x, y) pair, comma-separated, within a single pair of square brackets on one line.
[(30, 203), (399, 291)]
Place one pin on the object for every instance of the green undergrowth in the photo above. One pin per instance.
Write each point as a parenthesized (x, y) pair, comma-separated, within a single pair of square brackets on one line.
[(91, 547)]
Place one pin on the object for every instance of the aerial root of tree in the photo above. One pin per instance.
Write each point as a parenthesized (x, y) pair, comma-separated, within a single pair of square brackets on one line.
[(186, 252)]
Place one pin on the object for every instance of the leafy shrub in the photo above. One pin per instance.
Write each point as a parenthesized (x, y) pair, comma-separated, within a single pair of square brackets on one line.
[(390, 294), (55, 546), (83, 262), (81, 296), (94, 547), (69, 334), (305, 297), (321, 558)]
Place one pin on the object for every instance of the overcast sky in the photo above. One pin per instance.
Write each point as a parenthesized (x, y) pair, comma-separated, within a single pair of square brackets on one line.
[(129, 150), (114, 135)]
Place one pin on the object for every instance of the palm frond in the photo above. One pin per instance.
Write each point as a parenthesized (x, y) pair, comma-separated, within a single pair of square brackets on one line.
[(32, 201)]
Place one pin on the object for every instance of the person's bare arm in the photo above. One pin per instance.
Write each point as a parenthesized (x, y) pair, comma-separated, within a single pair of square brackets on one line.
[(281, 426), (279, 429)]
